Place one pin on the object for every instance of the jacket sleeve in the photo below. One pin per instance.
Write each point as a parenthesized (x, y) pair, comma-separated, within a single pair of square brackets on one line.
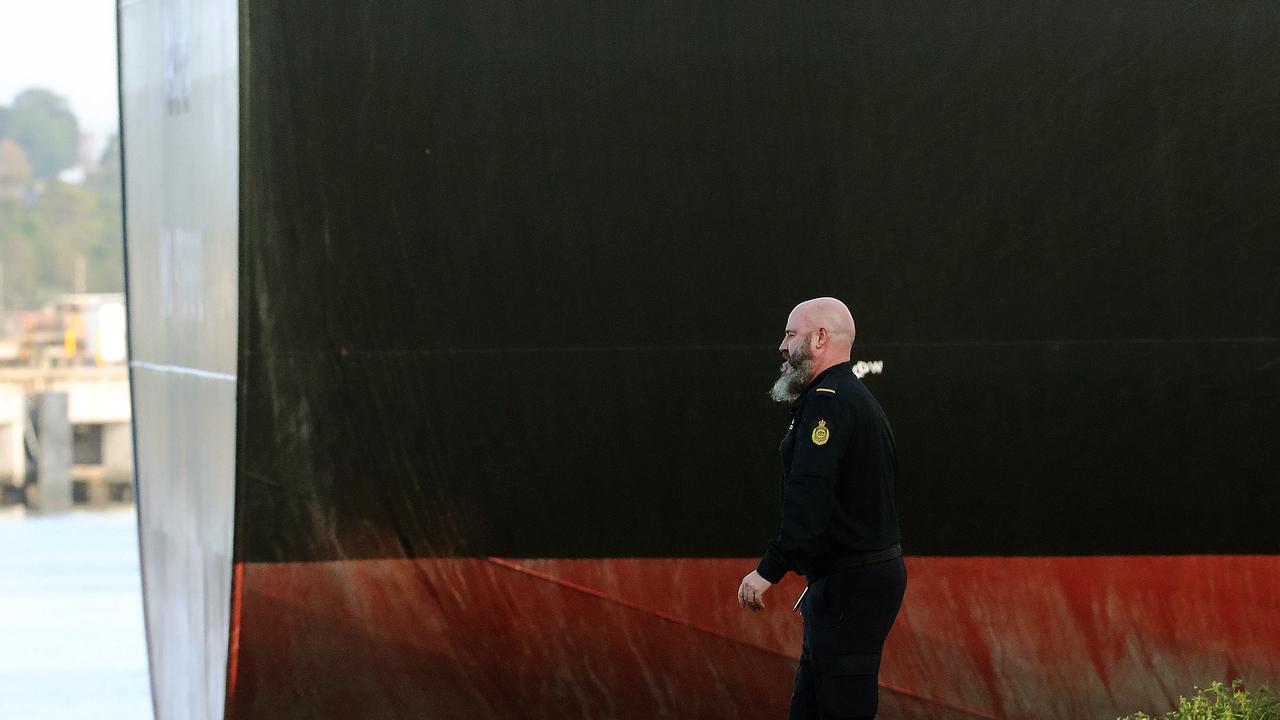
[(823, 433)]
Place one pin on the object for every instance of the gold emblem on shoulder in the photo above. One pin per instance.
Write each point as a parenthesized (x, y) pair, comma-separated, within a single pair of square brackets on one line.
[(821, 434)]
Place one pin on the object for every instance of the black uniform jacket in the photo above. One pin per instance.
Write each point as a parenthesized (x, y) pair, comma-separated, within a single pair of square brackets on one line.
[(838, 465)]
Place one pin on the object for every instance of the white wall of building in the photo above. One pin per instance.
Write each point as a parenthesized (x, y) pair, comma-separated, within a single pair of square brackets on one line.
[(13, 416), (96, 401)]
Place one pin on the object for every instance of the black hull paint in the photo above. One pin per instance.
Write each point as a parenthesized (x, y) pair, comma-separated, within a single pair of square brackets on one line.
[(519, 271)]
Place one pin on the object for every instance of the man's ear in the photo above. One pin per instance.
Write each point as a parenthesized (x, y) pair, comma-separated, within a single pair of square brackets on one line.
[(823, 337)]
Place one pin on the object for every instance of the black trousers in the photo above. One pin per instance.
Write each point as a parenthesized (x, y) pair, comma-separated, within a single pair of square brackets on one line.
[(847, 616)]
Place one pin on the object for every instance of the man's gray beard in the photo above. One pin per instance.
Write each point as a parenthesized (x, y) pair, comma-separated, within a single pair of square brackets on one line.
[(792, 380)]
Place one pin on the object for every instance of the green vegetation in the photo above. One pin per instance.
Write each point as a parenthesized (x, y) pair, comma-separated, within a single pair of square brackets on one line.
[(42, 124), (47, 226), (1219, 702)]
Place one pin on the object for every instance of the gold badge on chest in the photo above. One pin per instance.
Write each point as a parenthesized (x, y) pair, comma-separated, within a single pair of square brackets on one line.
[(821, 434)]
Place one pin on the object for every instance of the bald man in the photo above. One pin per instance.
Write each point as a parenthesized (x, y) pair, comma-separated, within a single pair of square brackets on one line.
[(839, 524)]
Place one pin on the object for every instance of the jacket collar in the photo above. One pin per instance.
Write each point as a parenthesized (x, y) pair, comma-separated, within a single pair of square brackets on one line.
[(847, 364)]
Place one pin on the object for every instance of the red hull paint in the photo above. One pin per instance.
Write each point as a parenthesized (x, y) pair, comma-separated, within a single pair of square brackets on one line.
[(643, 638)]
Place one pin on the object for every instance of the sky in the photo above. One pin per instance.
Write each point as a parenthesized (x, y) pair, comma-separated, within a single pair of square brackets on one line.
[(68, 46)]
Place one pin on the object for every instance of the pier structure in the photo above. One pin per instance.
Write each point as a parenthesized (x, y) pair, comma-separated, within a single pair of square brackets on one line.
[(99, 446)]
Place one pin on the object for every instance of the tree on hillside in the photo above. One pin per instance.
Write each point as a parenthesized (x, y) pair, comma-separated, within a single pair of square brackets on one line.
[(41, 122), (40, 241), (46, 227)]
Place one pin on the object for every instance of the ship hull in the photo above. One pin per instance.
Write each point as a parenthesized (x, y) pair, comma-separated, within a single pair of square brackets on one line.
[(1034, 637), (452, 322)]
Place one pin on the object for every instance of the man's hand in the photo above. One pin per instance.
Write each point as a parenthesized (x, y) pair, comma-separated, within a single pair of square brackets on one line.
[(751, 591)]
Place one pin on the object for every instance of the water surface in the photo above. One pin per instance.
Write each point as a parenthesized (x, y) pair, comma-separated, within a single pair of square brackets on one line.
[(72, 643)]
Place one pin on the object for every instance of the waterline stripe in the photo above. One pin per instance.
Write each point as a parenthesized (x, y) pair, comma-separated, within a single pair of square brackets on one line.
[(179, 370)]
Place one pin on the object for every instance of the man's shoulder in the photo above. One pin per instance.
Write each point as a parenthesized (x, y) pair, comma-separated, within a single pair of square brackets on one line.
[(839, 388), (840, 381), (836, 388)]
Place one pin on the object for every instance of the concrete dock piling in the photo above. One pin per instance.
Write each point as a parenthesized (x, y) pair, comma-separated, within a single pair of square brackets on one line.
[(51, 452)]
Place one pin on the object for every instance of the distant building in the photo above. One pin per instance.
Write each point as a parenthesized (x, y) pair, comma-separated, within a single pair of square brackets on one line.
[(75, 330), (91, 147), (94, 330)]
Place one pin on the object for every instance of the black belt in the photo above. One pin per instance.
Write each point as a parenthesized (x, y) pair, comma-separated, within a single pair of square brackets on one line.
[(857, 560)]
